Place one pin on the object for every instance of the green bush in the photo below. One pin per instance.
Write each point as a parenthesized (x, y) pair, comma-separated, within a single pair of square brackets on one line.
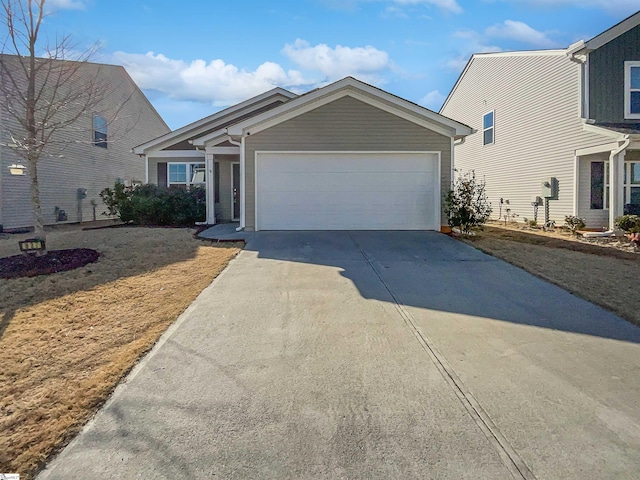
[(467, 205), (574, 223), (628, 223), (153, 205)]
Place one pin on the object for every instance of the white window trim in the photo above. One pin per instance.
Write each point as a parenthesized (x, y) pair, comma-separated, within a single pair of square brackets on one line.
[(627, 90), (627, 186), (492, 127), (188, 182)]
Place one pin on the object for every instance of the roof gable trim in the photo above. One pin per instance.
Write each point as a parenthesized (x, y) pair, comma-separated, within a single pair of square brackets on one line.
[(360, 91)]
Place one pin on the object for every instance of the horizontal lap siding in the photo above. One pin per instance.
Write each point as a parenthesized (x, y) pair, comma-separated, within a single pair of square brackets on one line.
[(536, 99), (80, 164), (345, 124)]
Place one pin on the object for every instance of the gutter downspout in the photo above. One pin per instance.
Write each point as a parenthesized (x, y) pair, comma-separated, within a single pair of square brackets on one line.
[(242, 180), (616, 172)]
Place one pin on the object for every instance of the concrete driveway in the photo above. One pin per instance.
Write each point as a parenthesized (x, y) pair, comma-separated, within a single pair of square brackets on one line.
[(364, 355)]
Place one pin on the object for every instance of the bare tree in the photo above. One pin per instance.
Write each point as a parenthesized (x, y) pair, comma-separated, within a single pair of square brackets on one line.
[(46, 86)]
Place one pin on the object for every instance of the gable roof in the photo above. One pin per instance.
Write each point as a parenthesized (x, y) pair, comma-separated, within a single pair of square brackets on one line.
[(521, 53), (215, 121), (359, 90), (605, 37)]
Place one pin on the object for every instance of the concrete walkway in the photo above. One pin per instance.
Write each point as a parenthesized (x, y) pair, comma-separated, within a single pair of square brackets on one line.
[(374, 355)]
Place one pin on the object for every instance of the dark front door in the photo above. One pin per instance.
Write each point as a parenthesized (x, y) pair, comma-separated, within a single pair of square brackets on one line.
[(235, 182)]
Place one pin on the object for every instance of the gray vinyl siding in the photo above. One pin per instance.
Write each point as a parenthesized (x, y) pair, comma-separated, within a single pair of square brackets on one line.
[(606, 77), (79, 163), (345, 124), (536, 99)]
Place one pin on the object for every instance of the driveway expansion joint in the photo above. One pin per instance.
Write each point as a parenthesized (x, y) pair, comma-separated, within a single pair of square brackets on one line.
[(514, 463)]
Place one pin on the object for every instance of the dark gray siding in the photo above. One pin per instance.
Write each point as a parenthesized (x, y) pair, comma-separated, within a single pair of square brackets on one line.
[(606, 77)]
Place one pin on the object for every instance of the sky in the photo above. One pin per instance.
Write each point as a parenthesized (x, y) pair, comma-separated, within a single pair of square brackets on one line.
[(192, 58)]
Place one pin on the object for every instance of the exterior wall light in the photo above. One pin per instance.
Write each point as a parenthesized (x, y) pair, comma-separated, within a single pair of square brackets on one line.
[(17, 169)]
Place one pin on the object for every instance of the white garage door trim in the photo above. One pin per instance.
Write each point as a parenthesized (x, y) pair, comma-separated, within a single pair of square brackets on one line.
[(436, 200)]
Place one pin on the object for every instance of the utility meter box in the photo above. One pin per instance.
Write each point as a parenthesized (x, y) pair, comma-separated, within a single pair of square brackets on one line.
[(550, 188), (536, 201)]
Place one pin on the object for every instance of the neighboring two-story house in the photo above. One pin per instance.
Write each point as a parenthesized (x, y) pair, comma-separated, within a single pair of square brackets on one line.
[(560, 127), (85, 157)]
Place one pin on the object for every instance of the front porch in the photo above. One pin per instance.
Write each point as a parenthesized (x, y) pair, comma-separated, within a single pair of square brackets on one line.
[(218, 173), (608, 182)]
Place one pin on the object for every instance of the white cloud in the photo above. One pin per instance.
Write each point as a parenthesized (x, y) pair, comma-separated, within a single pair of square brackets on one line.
[(215, 82), (66, 4), (521, 32), (334, 63), (433, 100)]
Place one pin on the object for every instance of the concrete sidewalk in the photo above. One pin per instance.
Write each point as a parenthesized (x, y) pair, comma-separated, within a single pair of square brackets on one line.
[(374, 355)]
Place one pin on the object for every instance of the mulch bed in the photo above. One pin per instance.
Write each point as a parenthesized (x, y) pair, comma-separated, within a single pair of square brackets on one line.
[(52, 262)]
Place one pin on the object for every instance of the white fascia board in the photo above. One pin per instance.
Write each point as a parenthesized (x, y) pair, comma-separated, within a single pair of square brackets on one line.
[(614, 32), (217, 136), (176, 153), (235, 150), (604, 131), (606, 147), (197, 127), (355, 89), (455, 87)]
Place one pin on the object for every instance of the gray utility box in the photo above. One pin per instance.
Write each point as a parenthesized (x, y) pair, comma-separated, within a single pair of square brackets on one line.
[(550, 188)]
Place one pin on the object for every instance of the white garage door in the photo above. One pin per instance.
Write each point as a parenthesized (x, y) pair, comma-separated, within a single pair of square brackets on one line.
[(347, 191)]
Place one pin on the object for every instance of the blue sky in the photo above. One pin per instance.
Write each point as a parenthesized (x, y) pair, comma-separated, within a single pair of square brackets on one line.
[(192, 58)]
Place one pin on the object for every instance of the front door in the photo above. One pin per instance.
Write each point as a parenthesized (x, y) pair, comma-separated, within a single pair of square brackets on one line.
[(235, 184)]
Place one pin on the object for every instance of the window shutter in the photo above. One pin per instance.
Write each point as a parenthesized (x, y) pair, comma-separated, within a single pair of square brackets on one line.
[(162, 174)]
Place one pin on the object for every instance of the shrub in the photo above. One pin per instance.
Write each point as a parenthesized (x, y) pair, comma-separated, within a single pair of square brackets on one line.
[(466, 204), (574, 223), (628, 223), (153, 205)]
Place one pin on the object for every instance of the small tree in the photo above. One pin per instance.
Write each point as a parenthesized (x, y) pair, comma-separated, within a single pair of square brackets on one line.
[(41, 92), (467, 205)]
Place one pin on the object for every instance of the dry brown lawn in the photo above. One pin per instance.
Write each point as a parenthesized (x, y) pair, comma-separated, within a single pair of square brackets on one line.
[(601, 274), (68, 338)]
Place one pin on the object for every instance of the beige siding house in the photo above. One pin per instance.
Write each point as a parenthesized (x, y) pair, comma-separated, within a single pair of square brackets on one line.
[(346, 156), (76, 162), (538, 148)]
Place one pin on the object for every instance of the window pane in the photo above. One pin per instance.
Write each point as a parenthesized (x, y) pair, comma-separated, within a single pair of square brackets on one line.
[(178, 173), (197, 173), (488, 120), (635, 102), (597, 184), (635, 172), (488, 137), (635, 196), (635, 77)]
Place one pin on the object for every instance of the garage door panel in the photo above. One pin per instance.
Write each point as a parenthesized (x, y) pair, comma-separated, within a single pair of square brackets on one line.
[(341, 191)]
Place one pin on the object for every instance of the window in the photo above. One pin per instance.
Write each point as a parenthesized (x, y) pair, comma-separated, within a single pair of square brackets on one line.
[(631, 90), (600, 184), (632, 183), (99, 131), (487, 128), (186, 174), (597, 185)]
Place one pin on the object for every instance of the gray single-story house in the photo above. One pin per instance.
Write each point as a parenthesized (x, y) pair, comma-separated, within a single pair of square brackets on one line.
[(345, 156)]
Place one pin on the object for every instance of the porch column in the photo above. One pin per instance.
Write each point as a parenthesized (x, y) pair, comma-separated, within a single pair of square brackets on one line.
[(210, 186), (616, 182)]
